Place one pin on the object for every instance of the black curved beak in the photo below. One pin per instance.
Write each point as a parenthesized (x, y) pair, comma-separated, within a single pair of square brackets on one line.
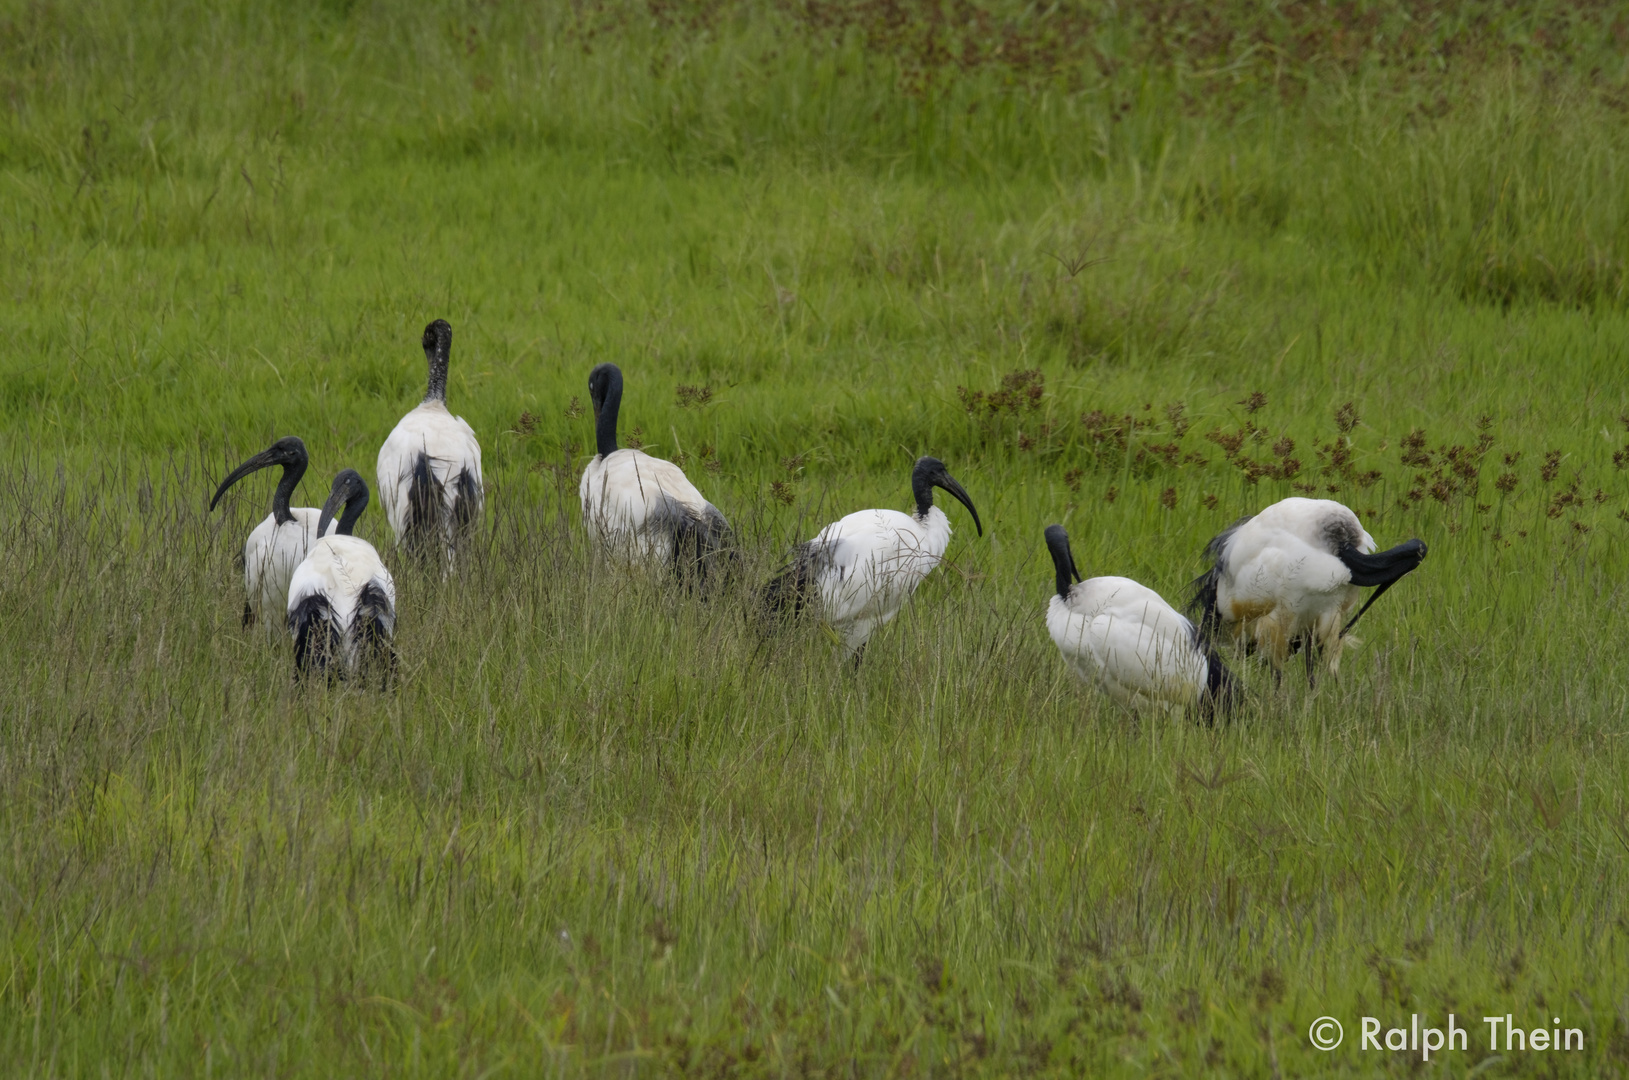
[(331, 508), (1063, 558), (263, 460), (945, 482), (1383, 569)]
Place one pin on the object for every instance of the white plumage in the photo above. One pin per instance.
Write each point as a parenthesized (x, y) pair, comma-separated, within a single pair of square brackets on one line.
[(638, 504), (272, 553), (342, 599), (862, 569), (281, 540), (640, 507), (1124, 638), (1289, 578), (429, 468)]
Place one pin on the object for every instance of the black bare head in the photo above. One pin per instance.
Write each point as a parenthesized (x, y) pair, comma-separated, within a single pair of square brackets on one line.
[(605, 393), (289, 452), (349, 491), (930, 473), (1063, 559), (437, 349)]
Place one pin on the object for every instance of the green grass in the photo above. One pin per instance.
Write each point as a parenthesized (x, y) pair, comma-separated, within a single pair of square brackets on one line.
[(603, 828)]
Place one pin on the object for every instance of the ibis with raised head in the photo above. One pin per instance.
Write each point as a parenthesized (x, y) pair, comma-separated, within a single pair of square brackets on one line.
[(342, 599), (1122, 637), (643, 508), (279, 543), (430, 467), (861, 570), (1289, 578)]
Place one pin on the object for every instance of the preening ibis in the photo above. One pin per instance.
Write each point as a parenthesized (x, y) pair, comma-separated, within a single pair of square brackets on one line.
[(342, 600), (640, 507), (430, 466), (1288, 578), (280, 542), (1126, 639), (862, 569)]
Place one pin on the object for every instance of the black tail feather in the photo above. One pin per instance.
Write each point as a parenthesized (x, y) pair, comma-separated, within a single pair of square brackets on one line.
[(373, 628), (704, 550), (466, 503), (689, 548), (316, 639), (1201, 605), (1202, 598), (788, 592), (425, 498), (1222, 692)]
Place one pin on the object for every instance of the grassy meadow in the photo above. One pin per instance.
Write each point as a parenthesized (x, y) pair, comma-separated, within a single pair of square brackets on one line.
[(1139, 269)]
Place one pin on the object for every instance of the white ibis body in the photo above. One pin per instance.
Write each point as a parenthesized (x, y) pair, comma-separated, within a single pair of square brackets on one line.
[(342, 600), (1122, 637), (279, 543), (643, 508), (1289, 578), (430, 467), (861, 570)]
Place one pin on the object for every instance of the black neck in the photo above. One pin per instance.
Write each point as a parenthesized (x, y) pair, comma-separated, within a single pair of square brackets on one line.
[(605, 421), (353, 510), (437, 359), (1064, 577), (922, 489), (292, 472)]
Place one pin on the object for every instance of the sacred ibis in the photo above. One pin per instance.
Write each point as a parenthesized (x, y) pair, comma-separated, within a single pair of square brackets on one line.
[(430, 466), (342, 600), (861, 570), (643, 508), (280, 542), (1126, 639), (1287, 578)]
